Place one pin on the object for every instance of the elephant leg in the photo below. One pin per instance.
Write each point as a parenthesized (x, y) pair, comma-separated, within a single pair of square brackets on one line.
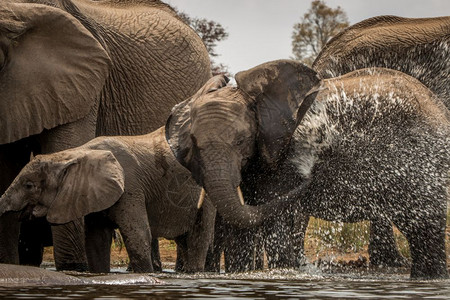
[(98, 233), (13, 157), (34, 235), (215, 250), (240, 251), (300, 225), (278, 244), (138, 244), (9, 237), (382, 246), (427, 245), (130, 215), (199, 239), (69, 246), (182, 250), (258, 257), (285, 238), (156, 258)]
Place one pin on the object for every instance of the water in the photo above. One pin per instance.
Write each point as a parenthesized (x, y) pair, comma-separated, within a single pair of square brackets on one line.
[(275, 284)]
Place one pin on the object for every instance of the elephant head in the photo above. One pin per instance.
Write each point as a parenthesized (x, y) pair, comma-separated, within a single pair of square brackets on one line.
[(66, 185), (222, 129), (51, 69)]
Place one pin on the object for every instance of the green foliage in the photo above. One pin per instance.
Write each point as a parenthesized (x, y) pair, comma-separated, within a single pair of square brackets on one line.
[(316, 28), (118, 240), (402, 244), (344, 237), (170, 244)]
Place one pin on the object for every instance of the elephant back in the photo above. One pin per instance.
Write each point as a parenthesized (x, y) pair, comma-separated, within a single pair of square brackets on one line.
[(419, 47), (372, 136), (157, 61)]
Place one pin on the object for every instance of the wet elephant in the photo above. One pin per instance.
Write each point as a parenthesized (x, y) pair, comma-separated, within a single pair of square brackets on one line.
[(375, 144), (72, 70), (395, 43), (279, 93)]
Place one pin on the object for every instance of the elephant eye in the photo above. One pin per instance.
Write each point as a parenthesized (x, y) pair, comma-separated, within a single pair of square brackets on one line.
[(29, 185)]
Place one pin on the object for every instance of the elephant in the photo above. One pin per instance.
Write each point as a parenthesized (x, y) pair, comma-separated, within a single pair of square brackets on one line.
[(418, 47), (130, 182), (370, 144), (76, 69), (21, 276), (395, 43), (285, 91)]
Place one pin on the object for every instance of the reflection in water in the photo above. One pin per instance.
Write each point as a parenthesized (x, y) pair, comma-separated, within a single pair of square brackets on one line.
[(257, 285)]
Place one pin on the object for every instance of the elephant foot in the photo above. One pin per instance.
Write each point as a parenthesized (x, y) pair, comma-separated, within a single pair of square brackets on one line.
[(212, 263), (383, 250)]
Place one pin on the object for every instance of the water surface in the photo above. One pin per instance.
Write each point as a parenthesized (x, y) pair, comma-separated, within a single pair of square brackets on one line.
[(275, 284)]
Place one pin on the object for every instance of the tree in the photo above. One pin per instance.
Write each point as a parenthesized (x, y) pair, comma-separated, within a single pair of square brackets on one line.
[(210, 32), (316, 28)]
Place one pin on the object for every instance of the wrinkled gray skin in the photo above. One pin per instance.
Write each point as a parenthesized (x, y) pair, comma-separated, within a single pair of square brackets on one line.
[(417, 47), (21, 276), (223, 135), (130, 182), (74, 69), (374, 145)]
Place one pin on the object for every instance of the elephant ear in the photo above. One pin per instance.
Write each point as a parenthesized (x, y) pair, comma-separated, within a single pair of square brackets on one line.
[(89, 181), (52, 69), (283, 91), (178, 125)]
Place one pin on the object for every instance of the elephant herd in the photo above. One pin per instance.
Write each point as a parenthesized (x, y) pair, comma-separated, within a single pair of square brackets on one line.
[(110, 118)]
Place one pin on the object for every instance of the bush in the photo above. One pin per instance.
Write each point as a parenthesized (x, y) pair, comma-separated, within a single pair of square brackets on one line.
[(343, 237)]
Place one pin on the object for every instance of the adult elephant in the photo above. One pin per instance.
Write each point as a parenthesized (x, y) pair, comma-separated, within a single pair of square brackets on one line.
[(374, 145), (72, 70), (217, 154), (417, 47)]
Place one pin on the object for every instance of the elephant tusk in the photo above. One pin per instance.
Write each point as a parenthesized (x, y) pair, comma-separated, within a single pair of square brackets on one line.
[(201, 198), (240, 195)]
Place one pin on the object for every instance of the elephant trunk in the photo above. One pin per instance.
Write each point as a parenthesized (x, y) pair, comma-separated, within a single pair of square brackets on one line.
[(11, 201), (4, 204), (227, 199)]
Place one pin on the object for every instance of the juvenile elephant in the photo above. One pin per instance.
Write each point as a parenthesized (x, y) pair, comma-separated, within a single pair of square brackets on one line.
[(130, 182), (417, 47), (75, 69), (374, 144)]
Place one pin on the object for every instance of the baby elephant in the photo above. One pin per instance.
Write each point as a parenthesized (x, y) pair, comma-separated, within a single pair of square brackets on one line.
[(130, 182)]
